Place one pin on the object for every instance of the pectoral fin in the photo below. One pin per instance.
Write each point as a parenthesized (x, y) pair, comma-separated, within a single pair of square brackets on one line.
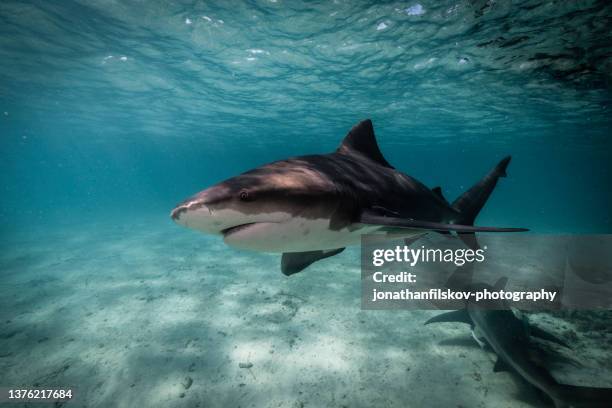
[(294, 262)]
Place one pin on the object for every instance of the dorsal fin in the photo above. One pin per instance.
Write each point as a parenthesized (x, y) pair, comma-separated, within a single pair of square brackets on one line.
[(500, 284), (438, 191), (361, 140)]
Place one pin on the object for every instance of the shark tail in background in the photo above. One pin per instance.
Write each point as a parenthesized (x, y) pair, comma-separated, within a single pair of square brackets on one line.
[(469, 204)]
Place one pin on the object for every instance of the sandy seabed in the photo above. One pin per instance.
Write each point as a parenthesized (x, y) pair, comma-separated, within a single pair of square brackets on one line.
[(154, 315)]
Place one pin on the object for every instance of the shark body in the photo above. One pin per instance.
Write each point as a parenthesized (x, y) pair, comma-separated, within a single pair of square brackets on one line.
[(312, 207), (510, 339)]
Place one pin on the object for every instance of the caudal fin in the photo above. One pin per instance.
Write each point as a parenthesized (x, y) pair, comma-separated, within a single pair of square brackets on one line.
[(469, 204)]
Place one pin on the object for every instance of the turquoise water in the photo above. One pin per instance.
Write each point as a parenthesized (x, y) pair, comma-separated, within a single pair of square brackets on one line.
[(113, 112), (118, 109)]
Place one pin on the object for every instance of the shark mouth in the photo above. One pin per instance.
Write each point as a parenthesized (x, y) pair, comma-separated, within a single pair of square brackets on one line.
[(236, 228)]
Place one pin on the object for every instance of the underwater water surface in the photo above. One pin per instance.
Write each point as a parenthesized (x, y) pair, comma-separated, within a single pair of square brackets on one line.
[(113, 112)]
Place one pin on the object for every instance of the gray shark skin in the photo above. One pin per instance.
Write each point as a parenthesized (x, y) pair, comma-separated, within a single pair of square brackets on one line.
[(311, 207), (509, 337)]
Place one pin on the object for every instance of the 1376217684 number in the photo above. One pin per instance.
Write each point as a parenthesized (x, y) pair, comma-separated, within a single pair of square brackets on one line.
[(39, 394)]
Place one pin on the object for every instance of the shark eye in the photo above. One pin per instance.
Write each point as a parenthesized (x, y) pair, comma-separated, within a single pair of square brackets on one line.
[(244, 195)]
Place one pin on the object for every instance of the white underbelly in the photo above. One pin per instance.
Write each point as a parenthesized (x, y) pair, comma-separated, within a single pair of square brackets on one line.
[(301, 235)]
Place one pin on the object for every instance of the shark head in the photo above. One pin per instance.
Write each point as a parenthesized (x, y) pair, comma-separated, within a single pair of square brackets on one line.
[(266, 209), (294, 205)]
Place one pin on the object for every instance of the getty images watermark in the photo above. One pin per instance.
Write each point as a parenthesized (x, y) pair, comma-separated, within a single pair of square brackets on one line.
[(540, 272)]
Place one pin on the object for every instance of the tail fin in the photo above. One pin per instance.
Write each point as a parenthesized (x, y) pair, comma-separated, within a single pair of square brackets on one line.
[(469, 204)]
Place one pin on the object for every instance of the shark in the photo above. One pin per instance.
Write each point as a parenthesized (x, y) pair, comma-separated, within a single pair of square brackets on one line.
[(496, 325), (312, 207)]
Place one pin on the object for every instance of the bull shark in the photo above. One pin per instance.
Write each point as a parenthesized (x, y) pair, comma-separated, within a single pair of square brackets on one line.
[(311, 207), (510, 339)]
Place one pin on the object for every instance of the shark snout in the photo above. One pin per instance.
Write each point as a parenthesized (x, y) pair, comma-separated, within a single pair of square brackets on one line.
[(183, 211), (207, 212), (198, 216), (175, 214)]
